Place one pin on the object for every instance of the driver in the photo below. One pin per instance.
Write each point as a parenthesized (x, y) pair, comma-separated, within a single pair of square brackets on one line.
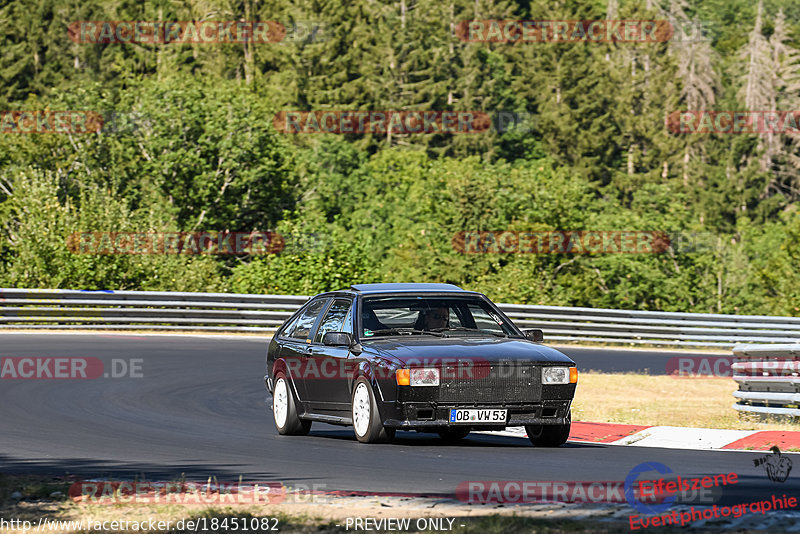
[(434, 318)]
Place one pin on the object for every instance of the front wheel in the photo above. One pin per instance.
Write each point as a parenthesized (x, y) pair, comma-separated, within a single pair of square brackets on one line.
[(285, 412), (549, 435), (366, 420)]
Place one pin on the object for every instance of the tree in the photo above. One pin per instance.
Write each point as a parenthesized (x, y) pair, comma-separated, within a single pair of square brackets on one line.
[(758, 91), (695, 60), (786, 74)]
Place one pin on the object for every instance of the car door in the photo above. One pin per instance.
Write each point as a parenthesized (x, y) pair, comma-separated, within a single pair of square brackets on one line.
[(326, 381), (296, 344)]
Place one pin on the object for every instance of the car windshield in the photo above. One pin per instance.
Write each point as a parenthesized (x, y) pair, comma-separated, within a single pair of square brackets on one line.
[(439, 316)]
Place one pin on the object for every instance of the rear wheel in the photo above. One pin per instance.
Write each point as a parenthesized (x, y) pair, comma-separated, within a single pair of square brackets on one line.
[(366, 420), (453, 434), (549, 435), (284, 411)]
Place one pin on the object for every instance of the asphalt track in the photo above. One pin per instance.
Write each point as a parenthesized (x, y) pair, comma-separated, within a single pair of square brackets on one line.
[(198, 409)]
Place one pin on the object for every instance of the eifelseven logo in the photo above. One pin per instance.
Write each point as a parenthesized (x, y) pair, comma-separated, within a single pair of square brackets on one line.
[(630, 481)]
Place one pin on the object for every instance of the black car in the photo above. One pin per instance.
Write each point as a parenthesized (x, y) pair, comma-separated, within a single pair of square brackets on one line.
[(424, 357)]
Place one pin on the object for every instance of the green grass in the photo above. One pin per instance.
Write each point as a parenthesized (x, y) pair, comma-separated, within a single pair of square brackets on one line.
[(639, 399)]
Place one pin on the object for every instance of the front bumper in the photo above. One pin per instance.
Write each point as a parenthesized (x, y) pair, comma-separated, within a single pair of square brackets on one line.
[(426, 416), (268, 383)]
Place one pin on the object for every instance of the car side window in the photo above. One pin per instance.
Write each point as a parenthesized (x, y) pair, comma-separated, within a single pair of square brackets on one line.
[(289, 327), (334, 320), (303, 325), (348, 322)]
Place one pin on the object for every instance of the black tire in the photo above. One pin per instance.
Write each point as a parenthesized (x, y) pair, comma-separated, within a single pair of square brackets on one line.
[(453, 434), (288, 423), (549, 435), (367, 423)]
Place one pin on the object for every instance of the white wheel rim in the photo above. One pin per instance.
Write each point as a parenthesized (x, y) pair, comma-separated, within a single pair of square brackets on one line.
[(280, 403), (361, 409)]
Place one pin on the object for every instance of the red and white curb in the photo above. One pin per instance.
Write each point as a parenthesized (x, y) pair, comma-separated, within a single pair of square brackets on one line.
[(675, 437)]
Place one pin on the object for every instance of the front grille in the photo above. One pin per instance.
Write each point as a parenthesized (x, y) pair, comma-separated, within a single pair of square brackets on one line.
[(502, 382)]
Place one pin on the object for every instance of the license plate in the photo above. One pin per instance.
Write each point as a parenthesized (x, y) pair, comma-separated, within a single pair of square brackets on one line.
[(477, 416)]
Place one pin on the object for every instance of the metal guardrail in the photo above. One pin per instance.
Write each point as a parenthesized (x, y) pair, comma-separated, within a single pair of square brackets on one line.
[(231, 312), (605, 325), (144, 310), (768, 378)]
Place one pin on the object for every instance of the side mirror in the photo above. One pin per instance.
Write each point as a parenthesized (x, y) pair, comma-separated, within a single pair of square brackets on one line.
[(534, 335), (337, 339)]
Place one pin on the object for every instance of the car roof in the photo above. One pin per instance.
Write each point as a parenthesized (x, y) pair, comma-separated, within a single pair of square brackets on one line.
[(405, 288), (397, 289)]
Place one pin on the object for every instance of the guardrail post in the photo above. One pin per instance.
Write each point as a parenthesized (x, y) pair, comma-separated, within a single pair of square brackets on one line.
[(769, 381)]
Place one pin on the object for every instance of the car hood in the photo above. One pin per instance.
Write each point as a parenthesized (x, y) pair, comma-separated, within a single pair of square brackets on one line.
[(490, 350)]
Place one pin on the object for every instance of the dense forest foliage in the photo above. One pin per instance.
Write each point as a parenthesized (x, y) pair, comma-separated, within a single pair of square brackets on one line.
[(189, 144)]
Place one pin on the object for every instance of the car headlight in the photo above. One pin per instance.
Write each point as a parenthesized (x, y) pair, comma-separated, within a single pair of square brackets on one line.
[(425, 376), (555, 375)]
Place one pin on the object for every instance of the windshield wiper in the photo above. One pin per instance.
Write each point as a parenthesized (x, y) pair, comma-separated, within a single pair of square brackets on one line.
[(478, 330), (403, 331)]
